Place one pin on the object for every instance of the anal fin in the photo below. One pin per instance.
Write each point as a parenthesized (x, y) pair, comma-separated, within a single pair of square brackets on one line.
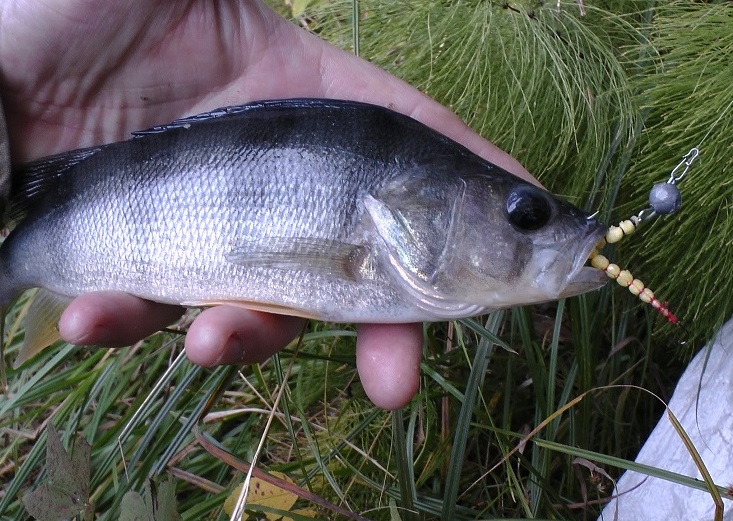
[(265, 307)]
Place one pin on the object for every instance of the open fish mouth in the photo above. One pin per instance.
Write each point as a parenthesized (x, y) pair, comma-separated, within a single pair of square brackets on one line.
[(583, 278)]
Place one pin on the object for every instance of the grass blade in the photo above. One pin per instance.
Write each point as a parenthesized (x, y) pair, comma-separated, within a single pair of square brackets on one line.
[(478, 370)]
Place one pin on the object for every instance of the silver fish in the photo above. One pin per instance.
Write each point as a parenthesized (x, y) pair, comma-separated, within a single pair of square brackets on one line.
[(334, 210)]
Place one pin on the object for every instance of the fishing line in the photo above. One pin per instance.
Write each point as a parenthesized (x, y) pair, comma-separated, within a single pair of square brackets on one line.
[(715, 123), (664, 199)]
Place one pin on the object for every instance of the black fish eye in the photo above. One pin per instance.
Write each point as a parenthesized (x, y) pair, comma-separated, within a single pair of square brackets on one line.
[(528, 208)]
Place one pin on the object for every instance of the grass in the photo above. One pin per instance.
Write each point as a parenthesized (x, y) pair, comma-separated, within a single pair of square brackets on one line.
[(432, 459), (584, 101)]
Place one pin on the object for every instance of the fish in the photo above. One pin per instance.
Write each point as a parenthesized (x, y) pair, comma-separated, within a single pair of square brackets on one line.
[(332, 210)]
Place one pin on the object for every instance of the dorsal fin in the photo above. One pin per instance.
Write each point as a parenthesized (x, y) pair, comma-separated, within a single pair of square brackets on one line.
[(292, 103), (215, 114), (186, 122), (36, 178)]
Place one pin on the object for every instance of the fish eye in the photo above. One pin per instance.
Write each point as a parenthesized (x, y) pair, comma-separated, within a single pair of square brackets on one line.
[(528, 209)]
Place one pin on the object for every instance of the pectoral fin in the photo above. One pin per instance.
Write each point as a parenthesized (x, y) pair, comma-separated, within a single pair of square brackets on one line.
[(332, 257), (41, 324)]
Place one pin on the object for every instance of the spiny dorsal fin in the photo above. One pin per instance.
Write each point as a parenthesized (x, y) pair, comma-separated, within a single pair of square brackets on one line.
[(192, 120), (293, 103), (36, 178)]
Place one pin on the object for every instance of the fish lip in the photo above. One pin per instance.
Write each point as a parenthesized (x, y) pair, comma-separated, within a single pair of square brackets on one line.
[(591, 241)]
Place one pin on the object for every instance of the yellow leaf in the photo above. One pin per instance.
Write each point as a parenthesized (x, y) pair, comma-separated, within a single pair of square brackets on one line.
[(262, 493), (303, 512)]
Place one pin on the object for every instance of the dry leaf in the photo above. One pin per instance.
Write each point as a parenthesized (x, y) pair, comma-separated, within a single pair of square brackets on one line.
[(262, 493), (159, 504), (66, 493)]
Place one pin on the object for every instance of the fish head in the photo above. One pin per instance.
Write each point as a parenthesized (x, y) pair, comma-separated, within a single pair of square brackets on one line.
[(483, 241), (513, 243)]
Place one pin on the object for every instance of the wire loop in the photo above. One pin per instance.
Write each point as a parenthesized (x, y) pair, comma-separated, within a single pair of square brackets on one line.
[(686, 163)]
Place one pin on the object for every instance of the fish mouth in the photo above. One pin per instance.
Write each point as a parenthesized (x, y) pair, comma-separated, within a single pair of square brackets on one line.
[(584, 278)]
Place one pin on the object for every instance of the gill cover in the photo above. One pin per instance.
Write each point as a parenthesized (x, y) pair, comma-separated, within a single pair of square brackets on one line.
[(417, 224)]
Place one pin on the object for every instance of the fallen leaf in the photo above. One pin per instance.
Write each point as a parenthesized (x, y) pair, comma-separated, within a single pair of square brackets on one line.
[(66, 493), (302, 512), (159, 503), (134, 508), (262, 493)]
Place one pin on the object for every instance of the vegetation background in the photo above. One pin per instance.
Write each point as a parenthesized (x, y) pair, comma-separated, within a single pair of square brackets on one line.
[(600, 100)]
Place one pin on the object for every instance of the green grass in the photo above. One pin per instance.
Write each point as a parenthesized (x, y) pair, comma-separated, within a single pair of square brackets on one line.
[(476, 403), (600, 106)]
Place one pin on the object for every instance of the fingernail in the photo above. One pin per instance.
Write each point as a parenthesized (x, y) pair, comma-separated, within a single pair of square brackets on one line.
[(76, 329), (232, 352)]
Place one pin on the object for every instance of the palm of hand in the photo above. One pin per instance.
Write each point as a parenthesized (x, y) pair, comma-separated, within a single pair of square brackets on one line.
[(76, 73), (102, 69)]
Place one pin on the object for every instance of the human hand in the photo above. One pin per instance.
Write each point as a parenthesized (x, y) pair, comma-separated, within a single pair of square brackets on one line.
[(76, 73)]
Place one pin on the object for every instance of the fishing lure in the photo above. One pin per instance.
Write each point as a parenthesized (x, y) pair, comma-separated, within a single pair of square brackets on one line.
[(664, 199)]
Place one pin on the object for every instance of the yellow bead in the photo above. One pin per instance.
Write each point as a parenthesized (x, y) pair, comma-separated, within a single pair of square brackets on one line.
[(600, 262), (646, 296), (636, 286), (612, 270), (627, 226), (624, 278), (614, 234)]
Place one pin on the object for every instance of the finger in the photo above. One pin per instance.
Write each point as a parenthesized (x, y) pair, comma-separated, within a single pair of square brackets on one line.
[(388, 361), (113, 319), (232, 335)]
